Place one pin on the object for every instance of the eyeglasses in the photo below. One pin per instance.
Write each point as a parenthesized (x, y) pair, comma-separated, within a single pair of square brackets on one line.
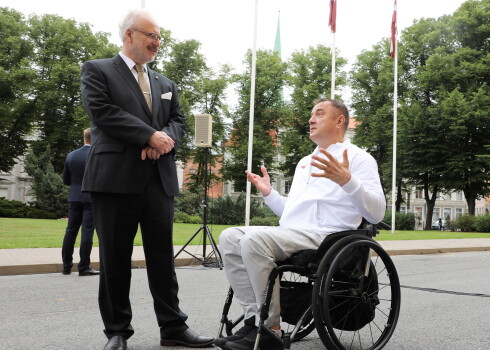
[(152, 36)]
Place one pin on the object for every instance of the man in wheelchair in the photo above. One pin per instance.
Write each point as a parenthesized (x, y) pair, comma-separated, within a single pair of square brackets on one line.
[(332, 190)]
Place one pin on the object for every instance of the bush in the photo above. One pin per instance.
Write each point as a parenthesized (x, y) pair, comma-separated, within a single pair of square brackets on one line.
[(181, 217), (264, 212), (16, 209), (194, 219), (184, 218), (226, 211), (403, 221), (189, 203), (482, 223), (265, 221), (466, 223)]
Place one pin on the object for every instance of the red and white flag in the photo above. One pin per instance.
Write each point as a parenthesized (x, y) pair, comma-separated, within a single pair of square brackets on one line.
[(332, 20), (393, 33)]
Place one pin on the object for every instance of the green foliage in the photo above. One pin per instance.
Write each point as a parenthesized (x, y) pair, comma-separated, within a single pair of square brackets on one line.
[(189, 203), (201, 89), (226, 211), (61, 47), (403, 221), (482, 223), (466, 223), (264, 211), (16, 209), (181, 217), (49, 191), (16, 77), (310, 76), (194, 219), (268, 111), (265, 221)]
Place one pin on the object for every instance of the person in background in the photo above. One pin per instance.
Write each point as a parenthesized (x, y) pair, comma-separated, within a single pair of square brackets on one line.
[(79, 212)]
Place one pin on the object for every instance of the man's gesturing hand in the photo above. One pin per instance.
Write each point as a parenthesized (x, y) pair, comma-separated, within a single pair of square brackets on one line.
[(331, 168), (263, 184)]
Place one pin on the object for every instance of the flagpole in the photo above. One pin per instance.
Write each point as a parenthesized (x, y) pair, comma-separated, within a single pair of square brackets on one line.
[(332, 89), (251, 115), (395, 119), (332, 22)]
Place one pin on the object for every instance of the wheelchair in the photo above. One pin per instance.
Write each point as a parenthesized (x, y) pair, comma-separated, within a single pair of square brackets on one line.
[(348, 290)]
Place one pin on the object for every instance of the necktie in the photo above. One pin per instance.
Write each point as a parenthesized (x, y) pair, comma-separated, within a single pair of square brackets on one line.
[(143, 83)]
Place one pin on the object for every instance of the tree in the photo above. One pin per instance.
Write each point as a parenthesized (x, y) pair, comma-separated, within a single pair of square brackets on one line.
[(270, 73), (202, 89), (16, 76), (211, 101), (61, 46), (422, 150), (468, 132), (310, 76), (183, 64), (372, 101), (49, 190)]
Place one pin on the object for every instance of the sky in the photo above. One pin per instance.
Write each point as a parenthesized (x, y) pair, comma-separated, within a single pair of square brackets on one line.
[(225, 27)]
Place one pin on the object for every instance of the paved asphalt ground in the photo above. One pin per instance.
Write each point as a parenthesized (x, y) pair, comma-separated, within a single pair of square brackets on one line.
[(52, 311)]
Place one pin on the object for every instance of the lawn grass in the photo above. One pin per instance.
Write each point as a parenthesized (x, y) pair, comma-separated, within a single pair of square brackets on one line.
[(38, 233)]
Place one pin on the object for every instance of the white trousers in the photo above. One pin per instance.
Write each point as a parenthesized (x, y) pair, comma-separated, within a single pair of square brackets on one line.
[(249, 254)]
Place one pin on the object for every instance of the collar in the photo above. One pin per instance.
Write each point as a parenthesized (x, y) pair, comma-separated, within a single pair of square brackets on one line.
[(129, 62)]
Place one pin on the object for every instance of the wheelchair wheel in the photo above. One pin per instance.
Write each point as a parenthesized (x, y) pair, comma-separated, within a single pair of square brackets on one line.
[(351, 310), (294, 306)]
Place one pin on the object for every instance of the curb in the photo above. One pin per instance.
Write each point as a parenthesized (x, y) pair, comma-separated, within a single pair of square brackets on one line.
[(39, 260)]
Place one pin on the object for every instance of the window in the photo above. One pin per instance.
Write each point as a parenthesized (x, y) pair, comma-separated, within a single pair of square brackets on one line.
[(436, 214), (419, 193), (459, 196), (459, 212), (287, 186), (403, 209), (419, 212), (447, 213)]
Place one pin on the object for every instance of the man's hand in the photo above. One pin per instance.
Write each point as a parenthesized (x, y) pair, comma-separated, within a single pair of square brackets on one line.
[(150, 153), (263, 184), (161, 142), (332, 168)]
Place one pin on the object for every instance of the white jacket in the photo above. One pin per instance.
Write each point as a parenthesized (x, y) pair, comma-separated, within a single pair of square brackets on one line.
[(319, 204)]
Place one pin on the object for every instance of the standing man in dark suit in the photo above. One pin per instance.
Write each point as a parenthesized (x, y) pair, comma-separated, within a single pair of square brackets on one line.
[(79, 212), (136, 129)]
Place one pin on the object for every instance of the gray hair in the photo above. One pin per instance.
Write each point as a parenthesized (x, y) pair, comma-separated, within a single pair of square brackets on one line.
[(129, 19)]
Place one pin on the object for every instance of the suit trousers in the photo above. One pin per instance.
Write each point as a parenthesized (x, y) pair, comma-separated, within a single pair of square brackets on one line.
[(79, 214), (116, 219), (249, 255)]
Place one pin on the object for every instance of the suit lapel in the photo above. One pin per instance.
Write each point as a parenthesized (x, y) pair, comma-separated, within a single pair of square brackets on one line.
[(122, 68)]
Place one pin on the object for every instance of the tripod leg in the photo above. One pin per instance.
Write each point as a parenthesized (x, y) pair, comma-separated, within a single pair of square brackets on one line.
[(215, 249), (189, 241)]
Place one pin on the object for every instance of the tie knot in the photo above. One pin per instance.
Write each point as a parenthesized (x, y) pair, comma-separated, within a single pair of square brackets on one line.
[(139, 68)]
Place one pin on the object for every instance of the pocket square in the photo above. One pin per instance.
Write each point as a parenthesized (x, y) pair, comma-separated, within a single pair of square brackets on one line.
[(166, 96)]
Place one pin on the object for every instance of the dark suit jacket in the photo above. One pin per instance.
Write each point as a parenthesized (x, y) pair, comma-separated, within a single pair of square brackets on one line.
[(121, 125), (73, 174)]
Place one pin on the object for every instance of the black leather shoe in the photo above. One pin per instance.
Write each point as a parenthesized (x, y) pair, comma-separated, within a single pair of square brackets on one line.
[(267, 342), (186, 338), (66, 271), (90, 271), (239, 334), (117, 342)]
